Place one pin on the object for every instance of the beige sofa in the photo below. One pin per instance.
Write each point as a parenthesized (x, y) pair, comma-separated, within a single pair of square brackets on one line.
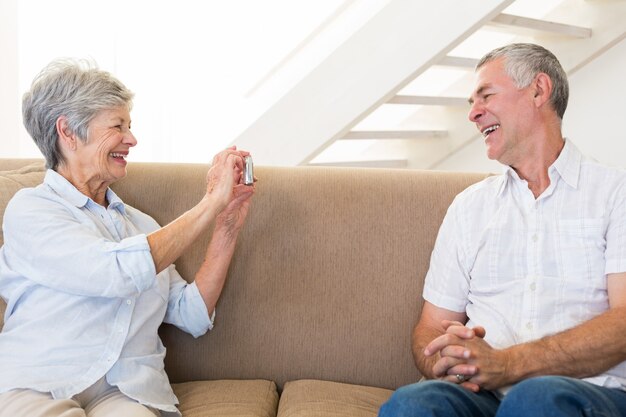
[(322, 294)]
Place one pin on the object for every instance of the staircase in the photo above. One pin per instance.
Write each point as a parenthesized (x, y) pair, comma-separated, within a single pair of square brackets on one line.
[(394, 94)]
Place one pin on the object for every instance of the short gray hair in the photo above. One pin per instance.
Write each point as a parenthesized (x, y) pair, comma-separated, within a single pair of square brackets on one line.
[(76, 89), (523, 61)]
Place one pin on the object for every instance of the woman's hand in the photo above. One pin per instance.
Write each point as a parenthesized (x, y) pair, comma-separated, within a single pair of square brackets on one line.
[(212, 273), (232, 217), (224, 174), (226, 201)]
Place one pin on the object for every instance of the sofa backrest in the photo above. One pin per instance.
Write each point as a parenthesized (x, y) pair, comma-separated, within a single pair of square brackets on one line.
[(327, 277)]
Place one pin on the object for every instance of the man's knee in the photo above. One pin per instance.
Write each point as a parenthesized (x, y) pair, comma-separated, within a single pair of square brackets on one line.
[(428, 398), (535, 396), (542, 387)]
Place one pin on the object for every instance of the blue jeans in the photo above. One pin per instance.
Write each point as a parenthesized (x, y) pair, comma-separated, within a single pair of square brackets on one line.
[(553, 396)]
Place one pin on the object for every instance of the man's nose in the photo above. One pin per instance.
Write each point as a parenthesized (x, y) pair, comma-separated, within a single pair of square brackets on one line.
[(476, 111)]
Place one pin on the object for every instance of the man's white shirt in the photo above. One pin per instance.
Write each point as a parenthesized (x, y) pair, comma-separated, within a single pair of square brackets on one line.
[(524, 268)]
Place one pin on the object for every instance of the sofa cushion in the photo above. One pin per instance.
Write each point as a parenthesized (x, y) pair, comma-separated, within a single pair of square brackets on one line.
[(312, 398), (12, 181), (241, 398)]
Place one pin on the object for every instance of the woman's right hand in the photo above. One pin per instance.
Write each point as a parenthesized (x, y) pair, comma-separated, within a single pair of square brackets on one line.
[(169, 242), (224, 174)]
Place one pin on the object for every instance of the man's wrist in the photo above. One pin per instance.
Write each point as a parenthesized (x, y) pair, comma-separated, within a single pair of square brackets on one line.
[(516, 364)]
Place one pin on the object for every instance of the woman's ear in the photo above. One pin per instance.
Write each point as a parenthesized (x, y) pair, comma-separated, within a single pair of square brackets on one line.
[(67, 138), (542, 89)]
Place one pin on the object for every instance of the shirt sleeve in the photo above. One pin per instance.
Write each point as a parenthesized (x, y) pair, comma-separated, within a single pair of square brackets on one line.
[(447, 281), (58, 246), (186, 308)]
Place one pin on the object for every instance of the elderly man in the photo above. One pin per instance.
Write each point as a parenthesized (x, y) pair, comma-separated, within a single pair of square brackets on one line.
[(525, 298)]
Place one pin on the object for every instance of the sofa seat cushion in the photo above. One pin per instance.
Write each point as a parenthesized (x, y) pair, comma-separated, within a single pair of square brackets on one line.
[(241, 398), (313, 398)]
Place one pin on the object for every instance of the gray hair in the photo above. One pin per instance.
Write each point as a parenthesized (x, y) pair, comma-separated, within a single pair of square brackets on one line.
[(523, 61), (76, 89)]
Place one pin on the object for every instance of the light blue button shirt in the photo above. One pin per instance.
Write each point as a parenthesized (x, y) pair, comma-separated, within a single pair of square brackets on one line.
[(83, 297)]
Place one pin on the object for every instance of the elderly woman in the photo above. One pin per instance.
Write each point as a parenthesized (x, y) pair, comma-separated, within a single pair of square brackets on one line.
[(88, 279)]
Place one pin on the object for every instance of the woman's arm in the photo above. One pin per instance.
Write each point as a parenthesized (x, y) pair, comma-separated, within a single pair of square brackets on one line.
[(211, 276), (169, 242)]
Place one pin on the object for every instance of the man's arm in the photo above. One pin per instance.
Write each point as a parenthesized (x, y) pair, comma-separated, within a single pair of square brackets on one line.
[(583, 351), (428, 329)]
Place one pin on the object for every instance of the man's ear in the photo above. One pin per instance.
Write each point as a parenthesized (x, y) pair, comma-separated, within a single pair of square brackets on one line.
[(67, 139), (542, 86)]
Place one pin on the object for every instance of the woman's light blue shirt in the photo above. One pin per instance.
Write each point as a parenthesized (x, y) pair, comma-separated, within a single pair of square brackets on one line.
[(83, 297)]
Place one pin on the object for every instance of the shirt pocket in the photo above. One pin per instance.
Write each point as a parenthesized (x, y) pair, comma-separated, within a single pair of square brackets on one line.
[(580, 250)]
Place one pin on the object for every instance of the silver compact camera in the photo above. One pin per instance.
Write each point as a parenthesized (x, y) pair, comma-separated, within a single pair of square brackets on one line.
[(248, 171)]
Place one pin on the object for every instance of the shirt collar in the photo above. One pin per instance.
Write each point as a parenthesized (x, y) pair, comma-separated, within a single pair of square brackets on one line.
[(508, 175), (66, 189), (567, 165)]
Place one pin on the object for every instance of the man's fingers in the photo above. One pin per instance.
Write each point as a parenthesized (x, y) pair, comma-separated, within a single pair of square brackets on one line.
[(470, 386), (440, 342), (455, 351), (480, 331), (443, 366), (468, 371), (460, 331), (448, 323)]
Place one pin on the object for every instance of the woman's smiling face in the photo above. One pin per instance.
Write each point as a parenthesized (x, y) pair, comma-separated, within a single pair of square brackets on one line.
[(103, 155)]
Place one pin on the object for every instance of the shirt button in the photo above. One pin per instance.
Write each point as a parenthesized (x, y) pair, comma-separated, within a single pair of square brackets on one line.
[(129, 302), (529, 326), (120, 330), (535, 238), (533, 286)]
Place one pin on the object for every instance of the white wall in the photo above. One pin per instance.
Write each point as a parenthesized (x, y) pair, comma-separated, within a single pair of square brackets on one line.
[(10, 114), (593, 120), (191, 64), (189, 104), (596, 113)]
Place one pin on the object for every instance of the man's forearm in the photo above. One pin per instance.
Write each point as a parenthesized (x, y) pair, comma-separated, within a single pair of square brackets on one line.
[(422, 336), (586, 350)]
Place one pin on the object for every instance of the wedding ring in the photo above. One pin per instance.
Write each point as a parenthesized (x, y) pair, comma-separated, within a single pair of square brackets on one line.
[(461, 378)]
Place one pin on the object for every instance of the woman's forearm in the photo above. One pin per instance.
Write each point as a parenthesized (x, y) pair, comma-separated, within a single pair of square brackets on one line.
[(211, 276), (168, 243)]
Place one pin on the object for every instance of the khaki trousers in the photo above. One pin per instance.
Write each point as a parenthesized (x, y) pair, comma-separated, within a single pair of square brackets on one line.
[(99, 400)]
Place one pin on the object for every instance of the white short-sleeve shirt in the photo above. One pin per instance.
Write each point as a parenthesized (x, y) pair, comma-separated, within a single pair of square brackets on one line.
[(525, 268)]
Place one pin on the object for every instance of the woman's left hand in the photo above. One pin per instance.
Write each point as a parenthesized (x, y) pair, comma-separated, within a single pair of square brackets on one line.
[(232, 217)]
